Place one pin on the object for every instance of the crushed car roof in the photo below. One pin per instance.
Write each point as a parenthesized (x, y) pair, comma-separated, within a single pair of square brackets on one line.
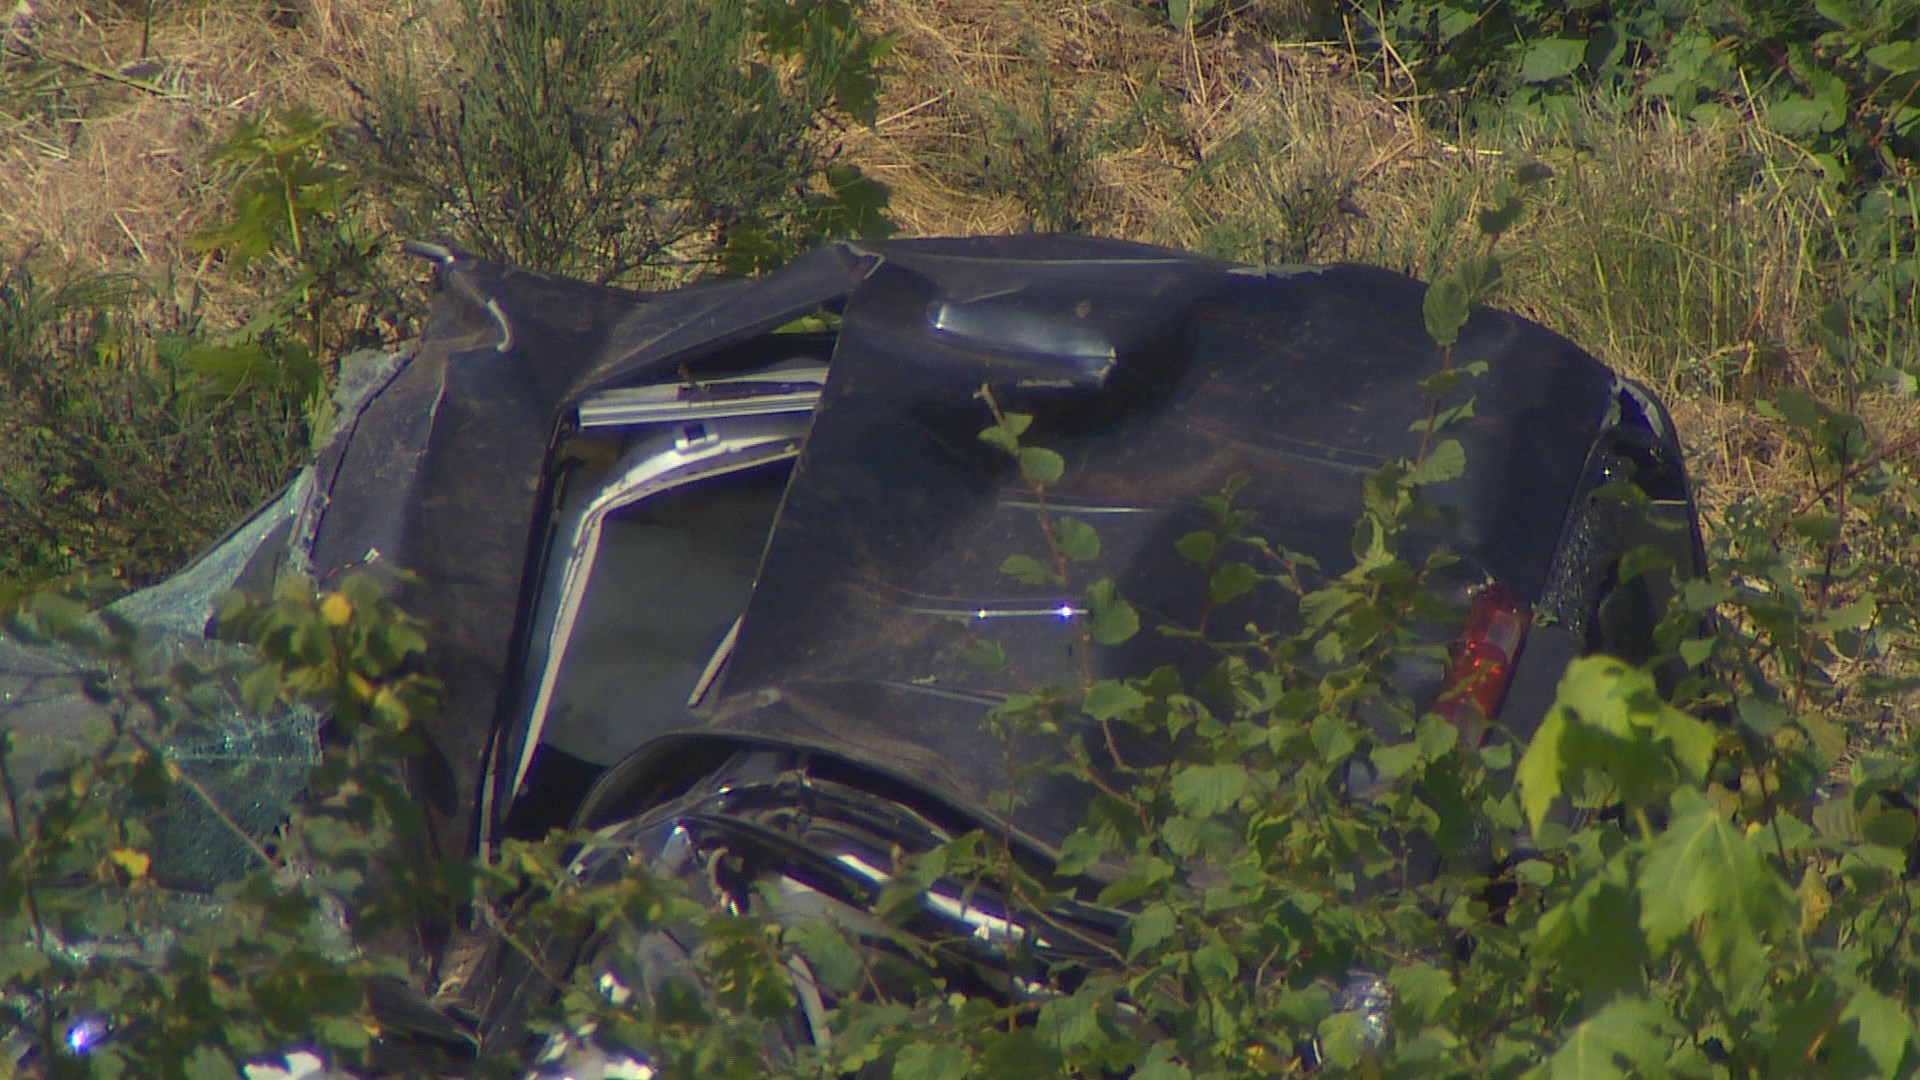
[(1157, 376)]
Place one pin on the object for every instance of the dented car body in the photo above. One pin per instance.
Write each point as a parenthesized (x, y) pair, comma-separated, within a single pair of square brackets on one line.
[(689, 560)]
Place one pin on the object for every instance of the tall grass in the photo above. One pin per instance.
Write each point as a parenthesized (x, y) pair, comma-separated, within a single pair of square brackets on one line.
[(113, 458), (1697, 256)]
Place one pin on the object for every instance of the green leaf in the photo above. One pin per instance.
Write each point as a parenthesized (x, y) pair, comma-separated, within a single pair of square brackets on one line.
[(1342, 1039), (1496, 220), (1184, 835), (1819, 528), (1041, 466), (209, 1063), (833, 960), (1891, 827), (1421, 992), (1622, 1040), (1480, 274), (1109, 699), (1445, 461), (1197, 547), (1207, 790), (1596, 932), (1445, 310), (231, 368), (930, 1061), (1111, 618), (1696, 651), (1019, 1054), (1214, 962), (1078, 541), (1795, 406), (1446, 381), (1231, 582), (1538, 776), (1068, 1023), (1880, 1027), (1445, 418), (1318, 608), (1898, 57), (1552, 58), (1029, 571), (1608, 720), (1643, 560), (1762, 715), (1148, 929), (1703, 870), (1534, 872), (1435, 736), (859, 201), (1855, 616), (1803, 117), (1334, 738), (1393, 762), (1804, 1025), (343, 1032), (1162, 1068), (1006, 434)]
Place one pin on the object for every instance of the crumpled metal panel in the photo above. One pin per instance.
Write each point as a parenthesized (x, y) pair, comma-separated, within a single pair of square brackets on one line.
[(1156, 377), (445, 478)]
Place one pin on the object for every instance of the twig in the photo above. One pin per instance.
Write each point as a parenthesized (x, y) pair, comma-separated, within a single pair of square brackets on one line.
[(206, 797), (1850, 473), (26, 890), (910, 110), (137, 245), (113, 76)]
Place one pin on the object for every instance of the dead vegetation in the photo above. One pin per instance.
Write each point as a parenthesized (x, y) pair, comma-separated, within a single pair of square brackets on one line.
[(106, 118)]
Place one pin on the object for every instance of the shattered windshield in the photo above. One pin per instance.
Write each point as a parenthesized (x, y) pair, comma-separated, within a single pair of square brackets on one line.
[(175, 691), (62, 706)]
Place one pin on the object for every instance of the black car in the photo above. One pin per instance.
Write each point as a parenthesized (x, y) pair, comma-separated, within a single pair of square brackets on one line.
[(694, 562)]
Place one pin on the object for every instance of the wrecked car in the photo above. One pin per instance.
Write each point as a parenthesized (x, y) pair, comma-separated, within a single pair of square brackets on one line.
[(692, 560)]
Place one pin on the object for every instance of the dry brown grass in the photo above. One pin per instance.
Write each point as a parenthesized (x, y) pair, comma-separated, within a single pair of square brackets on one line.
[(97, 174), (1154, 107)]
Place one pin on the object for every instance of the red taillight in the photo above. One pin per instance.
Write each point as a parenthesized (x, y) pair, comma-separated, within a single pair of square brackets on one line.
[(1483, 661)]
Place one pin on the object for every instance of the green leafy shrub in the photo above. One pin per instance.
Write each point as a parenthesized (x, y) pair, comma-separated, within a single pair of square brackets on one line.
[(1820, 96), (112, 921), (297, 231), (634, 143), (1030, 147), (1839, 77), (112, 454)]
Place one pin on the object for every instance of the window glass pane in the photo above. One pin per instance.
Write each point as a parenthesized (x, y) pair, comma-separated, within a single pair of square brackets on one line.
[(673, 572)]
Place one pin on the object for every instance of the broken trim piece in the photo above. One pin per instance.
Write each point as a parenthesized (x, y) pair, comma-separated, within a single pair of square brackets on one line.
[(784, 389)]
